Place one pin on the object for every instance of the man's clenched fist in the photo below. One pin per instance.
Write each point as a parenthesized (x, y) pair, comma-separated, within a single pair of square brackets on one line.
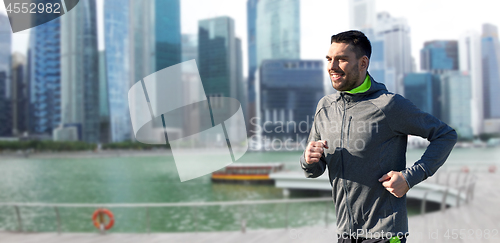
[(314, 151)]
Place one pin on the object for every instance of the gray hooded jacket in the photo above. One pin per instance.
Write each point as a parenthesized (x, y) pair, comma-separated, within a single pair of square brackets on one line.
[(367, 137)]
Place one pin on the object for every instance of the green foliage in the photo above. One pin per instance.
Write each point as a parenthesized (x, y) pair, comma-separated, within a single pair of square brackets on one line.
[(487, 136), (133, 145), (38, 145)]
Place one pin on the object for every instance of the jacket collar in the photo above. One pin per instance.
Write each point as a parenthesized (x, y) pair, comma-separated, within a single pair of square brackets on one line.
[(375, 87)]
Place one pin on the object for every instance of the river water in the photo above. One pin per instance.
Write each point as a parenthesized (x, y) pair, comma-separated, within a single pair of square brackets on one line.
[(154, 179)]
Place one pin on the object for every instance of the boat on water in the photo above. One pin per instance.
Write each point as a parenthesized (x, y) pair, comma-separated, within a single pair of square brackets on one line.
[(247, 173)]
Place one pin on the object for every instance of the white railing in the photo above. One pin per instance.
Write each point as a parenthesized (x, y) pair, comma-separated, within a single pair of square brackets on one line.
[(193, 205)]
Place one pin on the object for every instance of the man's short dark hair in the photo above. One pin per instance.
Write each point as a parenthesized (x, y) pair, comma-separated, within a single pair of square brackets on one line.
[(360, 43)]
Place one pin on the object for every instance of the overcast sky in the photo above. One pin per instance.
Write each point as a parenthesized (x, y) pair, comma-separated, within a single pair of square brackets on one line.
[(428, 19)]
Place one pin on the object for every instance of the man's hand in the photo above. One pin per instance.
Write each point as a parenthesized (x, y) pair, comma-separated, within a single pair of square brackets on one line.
[(314, 151), (395, 183)]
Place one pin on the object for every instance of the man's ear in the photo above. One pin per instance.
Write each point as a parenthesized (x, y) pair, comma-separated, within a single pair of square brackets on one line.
[(363, 63)]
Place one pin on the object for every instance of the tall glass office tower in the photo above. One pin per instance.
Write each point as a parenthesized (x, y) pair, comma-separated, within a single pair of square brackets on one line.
[(252, 55), (470, 62), (419, 89), (456, 97), (155, 43), (287, 107), (218, 57), (80, 70), (167, 33), (19, 95), (116, 37), (490, 49), (155, 36), (45, 76), (5, 70), (395, 34), (278, 30), (439, 56), (219, 54)]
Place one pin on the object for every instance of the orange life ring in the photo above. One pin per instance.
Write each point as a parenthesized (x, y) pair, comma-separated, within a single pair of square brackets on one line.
[(98, 218)]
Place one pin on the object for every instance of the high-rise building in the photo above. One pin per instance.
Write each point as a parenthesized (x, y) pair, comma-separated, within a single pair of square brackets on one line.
[(362, 16), (419, 89), (241, 84), (286, 108), (439, 56), (190, 77), (155, 44), (377, 67), (167, 33), (456, 102), (116, 38), (218, 55), (189, 47), (278, 30), (273, 33), (80, 70), (252, 56), (5, 77), (154, 36), (219, 52), (104, 109), (19, 95), (44, 75), (470, 61), (490, 53), (395, 34)]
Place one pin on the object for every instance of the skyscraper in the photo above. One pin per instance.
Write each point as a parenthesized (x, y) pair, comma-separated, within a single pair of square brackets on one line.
[(278, 30), (439, 56), (5, 77), (252, 55), (116, 36), (490, 52), (155, 43), (470, 62), (362, 16), (19, 95), (217, 52), (104, 109), (44, 67), (273, 33), (80, 70), (395, 33), (286, 108), (167, 33), (155, 36), (419, 90), (456, 102)]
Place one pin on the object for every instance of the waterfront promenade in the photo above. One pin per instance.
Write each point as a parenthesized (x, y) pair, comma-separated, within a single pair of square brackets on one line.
[(476, 221)]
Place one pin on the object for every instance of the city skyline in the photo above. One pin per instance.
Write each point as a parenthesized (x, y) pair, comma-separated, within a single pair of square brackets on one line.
[(442, 21), (155, 43)]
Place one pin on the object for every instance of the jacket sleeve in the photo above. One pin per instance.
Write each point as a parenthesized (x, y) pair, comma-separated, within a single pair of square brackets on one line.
[(406, 119), (315, 169)]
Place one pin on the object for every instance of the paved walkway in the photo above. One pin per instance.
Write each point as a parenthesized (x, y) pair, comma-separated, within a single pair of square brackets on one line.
[(478, 221)]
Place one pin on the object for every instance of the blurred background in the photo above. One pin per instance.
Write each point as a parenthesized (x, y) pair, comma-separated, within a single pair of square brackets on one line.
[(65, 130)]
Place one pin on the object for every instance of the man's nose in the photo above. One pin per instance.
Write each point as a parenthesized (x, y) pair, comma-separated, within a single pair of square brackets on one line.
[(333, 65)]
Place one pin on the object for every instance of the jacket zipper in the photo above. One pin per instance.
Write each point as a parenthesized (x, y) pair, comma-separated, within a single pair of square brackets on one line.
[(349, 210), (348, 131)]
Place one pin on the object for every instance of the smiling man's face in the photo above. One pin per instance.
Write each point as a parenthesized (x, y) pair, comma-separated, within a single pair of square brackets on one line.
[(345, 70)]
